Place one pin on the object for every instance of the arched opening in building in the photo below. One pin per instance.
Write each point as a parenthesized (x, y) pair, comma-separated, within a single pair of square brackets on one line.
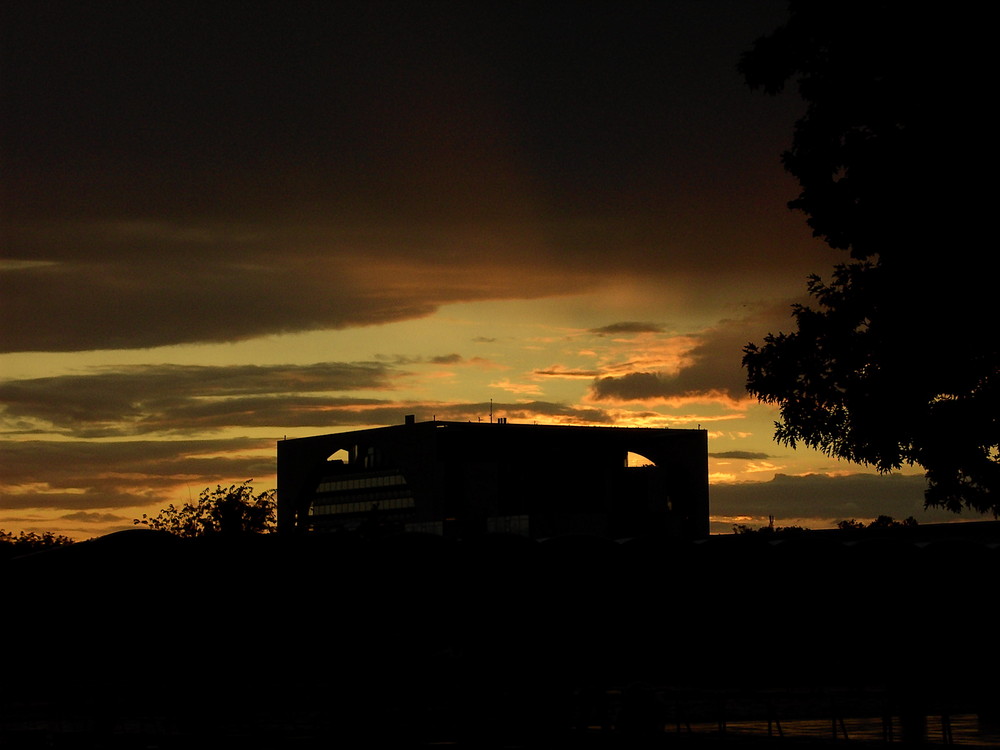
[(637, 460), (342, 455), (644, 502)]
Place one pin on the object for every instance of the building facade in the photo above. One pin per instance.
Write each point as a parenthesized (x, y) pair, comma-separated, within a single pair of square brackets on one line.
[(466, 478)]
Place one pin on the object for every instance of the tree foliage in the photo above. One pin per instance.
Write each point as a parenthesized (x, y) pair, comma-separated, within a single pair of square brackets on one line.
[(895, 361), (224, 510), (881, 523), (743, 529), (30, 541)]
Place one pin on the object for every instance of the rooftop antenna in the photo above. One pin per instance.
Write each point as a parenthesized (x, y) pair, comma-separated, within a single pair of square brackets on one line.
[(491, 411)]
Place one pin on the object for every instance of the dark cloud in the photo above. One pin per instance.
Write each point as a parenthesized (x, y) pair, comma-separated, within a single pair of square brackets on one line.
[(635, 386), (393, 107), (88, 475), (171, 176), (714, 368), (402, 360), (185, 398), (740, 455), (447, 359), (830, 498), (562, 372), (176, 400), (92, 287), (162, 298), (531, 411), (98, 518), (548, 411), (627, 327)]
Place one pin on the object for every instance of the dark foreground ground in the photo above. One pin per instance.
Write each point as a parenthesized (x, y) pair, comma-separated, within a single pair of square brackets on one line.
[(141, 640), (48, 726)]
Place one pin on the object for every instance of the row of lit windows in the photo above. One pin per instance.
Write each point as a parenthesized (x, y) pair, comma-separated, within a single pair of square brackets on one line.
[(358, 483), (509, 524), (362, 506), (365, 496)]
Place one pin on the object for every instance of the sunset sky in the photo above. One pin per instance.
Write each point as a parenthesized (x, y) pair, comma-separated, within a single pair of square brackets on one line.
[(226, 223)]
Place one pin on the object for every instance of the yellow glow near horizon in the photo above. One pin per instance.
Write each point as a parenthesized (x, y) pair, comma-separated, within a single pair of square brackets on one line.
[(518, 353)]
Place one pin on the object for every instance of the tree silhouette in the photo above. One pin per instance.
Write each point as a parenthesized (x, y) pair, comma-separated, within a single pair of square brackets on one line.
[(879, 524), (896, 361), (224, 510), (25, 542)]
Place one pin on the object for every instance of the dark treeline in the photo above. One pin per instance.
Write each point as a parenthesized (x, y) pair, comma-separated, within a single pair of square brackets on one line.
[(26, 542)]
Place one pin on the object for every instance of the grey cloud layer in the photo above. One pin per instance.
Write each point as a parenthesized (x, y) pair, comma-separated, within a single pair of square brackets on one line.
[(627, 327), (159, 299), (184, 399), (83, 475), (740, 455), (835, 498), (179, 400), (86, 289)]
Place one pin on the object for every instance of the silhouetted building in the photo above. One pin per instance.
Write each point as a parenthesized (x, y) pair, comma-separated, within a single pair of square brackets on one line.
[(466, 478)]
